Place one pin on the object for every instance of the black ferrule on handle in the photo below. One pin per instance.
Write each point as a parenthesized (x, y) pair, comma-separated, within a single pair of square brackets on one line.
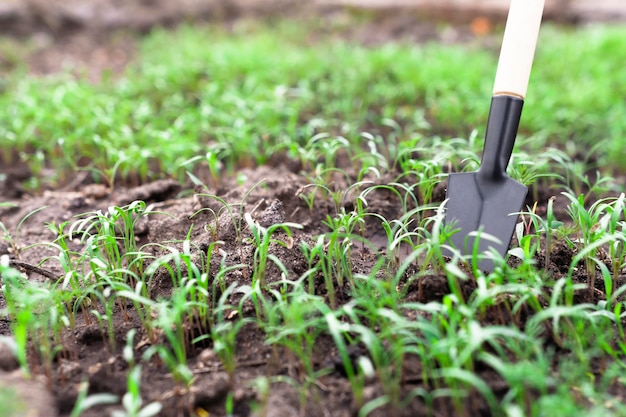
[(504, 118)]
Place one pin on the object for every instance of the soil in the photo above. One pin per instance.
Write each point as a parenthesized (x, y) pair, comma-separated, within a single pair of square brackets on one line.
[(93, 46)]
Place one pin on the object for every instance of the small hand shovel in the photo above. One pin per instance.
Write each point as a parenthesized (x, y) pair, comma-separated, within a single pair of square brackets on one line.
[(487, 201)]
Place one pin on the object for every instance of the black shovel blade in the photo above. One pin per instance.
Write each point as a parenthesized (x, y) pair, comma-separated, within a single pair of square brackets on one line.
[(486, 205), (486, 201)]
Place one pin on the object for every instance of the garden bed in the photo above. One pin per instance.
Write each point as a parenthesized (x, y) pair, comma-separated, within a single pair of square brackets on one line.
[(275, 253)]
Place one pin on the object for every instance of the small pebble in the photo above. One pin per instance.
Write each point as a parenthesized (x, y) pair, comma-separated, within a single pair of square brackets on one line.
[(69, 369), (210, 391), (206, 356), (8, 361)]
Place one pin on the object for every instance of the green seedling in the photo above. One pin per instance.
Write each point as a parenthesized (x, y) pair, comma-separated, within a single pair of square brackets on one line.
[(396, 230), (427, 174), (593, 232), (319, 183), (107, 175), (67, 258), (262, 387), (408, 233), (35, 316), (169, 319), (403, 192), (111, 235), (224, 331), (322, 147), (262, 238), (213, 160), (40, 307), (85, 401), (133, 405), (551, 228), (616, 227), (387, 349), (338, 257), (338, 331), (235, 212), (293, 320), (537, 169), (578, 175), (14, 238), (308, 197), (195, 292), (372, 158), (314, 255)]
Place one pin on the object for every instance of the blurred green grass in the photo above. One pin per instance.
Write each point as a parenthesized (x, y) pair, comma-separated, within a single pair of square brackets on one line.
[(264, 89)]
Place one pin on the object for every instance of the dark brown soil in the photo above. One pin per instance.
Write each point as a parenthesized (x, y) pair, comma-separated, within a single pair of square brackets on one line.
[(59, 40), (90, 358)]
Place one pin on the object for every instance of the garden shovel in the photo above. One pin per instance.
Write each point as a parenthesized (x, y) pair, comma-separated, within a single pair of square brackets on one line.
[(486, 202)]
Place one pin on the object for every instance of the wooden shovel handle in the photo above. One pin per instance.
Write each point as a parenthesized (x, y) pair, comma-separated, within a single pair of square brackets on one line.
[(518, 47)]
